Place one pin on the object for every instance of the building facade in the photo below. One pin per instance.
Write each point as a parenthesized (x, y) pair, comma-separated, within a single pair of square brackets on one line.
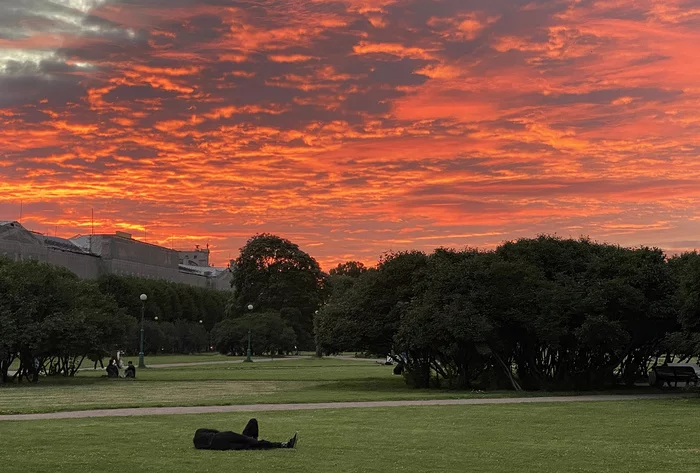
[(90, 256), (197, 257)]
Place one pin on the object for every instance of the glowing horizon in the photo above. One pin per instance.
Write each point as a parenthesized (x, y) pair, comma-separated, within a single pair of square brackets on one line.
[(353, 127)]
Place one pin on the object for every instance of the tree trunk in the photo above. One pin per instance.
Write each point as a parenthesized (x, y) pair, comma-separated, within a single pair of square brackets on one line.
[(508, 371)]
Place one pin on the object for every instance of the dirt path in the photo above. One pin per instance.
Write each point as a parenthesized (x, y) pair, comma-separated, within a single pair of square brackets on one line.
[(145, 411)]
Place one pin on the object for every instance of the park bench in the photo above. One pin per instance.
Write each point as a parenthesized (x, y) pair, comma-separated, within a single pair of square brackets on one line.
[(673, 373)]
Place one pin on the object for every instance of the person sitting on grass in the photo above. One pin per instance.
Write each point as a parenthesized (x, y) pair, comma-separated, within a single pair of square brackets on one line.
[(130, 371), (210, 439), (112, 369)]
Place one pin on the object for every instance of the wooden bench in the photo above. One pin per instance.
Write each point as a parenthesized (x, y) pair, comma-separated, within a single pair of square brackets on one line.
[(673, 373)]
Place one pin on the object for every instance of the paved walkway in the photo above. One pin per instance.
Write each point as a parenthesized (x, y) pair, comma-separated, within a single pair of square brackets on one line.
[(145, 411)]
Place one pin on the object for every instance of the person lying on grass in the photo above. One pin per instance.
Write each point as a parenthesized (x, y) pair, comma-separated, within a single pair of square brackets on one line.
[(210, 439)]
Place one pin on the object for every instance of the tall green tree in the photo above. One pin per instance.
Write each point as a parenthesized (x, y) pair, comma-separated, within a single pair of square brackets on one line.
[(273, 274)]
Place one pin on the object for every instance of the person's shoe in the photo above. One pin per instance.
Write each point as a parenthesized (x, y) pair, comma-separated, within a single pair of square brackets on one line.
[(292, 441)]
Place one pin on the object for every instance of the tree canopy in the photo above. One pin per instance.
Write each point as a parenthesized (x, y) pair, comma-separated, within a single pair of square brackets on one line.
[(542, 313), (536, 313), (273, 274), (51, 320)]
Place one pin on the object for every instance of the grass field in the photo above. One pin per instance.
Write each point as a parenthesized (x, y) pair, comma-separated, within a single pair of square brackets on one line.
[(167, 359), (158, 360), (599, 437), (304, 380), (284, 381), (634, 436)]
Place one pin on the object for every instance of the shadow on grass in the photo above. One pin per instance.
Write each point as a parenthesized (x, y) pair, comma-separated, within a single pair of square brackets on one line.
[(370, 384), (397, 385)]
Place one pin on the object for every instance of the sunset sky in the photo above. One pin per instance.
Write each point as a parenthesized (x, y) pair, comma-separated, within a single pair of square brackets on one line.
[(353, 127)]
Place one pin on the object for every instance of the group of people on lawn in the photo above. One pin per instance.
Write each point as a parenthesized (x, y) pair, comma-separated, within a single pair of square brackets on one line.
[(115, 364)]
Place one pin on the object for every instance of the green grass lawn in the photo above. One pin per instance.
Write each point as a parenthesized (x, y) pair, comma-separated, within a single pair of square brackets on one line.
[(304, 380), (289, 381), (158, 359), (600, 437), (166, 359)]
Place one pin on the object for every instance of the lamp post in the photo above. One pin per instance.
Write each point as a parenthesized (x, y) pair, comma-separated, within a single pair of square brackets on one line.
[(319, 352), (201, 322), (248, 358), (143, 298)]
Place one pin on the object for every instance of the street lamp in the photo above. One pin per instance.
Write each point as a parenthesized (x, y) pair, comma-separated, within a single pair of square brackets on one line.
[(201, 322), (248, 358), (143, 298)]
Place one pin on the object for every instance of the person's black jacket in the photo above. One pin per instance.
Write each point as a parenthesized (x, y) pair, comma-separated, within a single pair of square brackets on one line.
[(112, 371)]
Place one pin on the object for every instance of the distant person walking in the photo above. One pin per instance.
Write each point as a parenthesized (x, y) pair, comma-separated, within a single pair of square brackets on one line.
[(210, 439)]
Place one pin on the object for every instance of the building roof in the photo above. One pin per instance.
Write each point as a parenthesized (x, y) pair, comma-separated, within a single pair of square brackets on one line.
[(62, 244), (14, 231), (86, 239), (202, 270)]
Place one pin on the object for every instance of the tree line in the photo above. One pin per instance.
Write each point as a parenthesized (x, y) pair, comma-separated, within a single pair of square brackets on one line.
[(542, 313), (51, 321), (177, 318)]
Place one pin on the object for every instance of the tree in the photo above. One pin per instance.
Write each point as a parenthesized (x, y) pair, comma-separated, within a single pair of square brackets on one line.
[(600, 308), (228, 337), (52, 320), (459, 324), (269, 334), (272, 274), (8, 341), (684, 341), (353, 269), (366, 316), (179, 309), (542, 313)]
